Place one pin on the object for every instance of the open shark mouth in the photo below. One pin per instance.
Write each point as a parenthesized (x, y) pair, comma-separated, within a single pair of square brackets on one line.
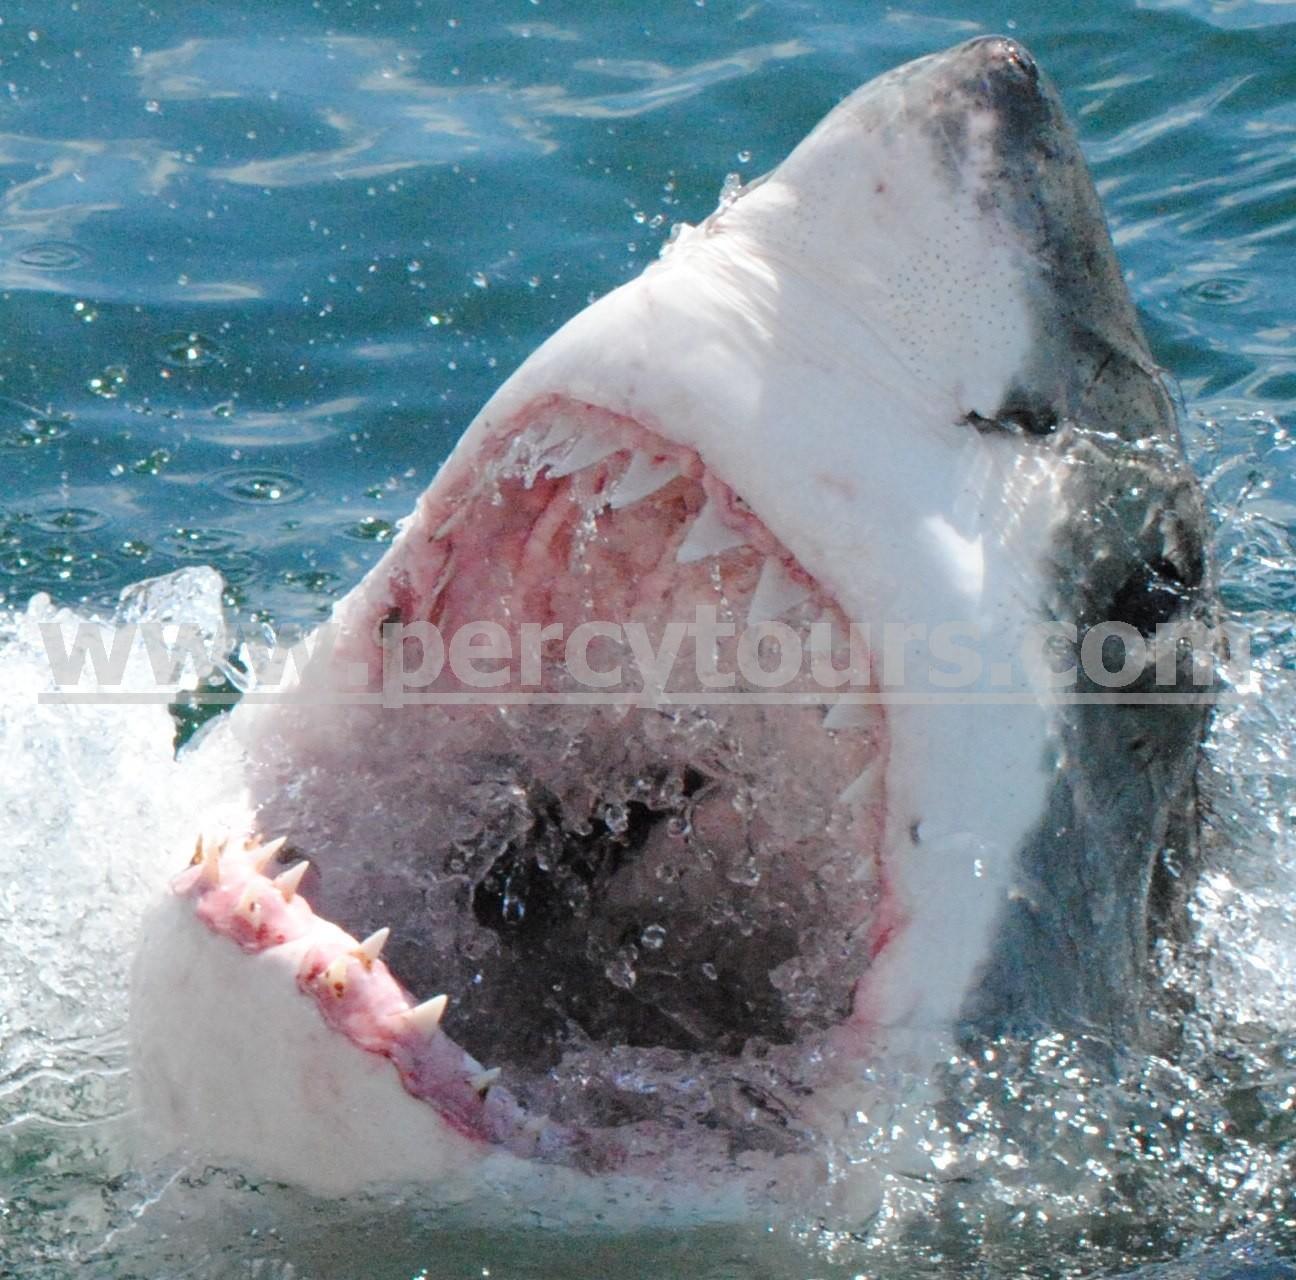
[(606, 831), (595, 898)]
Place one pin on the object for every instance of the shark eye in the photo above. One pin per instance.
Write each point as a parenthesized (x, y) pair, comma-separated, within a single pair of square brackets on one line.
[(1155, 593), (1019, 416)]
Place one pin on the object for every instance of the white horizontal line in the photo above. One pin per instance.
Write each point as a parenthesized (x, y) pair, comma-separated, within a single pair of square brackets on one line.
[(634, 699)]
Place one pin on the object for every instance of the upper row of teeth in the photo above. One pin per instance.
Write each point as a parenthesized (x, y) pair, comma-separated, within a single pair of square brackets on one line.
[(777, 592), (563, 454), (424, 1018)]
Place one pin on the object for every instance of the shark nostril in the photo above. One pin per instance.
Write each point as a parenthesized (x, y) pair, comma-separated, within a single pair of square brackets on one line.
[(1017, 59)]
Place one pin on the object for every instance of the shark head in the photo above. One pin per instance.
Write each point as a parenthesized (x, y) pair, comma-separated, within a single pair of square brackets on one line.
[(728, 702)]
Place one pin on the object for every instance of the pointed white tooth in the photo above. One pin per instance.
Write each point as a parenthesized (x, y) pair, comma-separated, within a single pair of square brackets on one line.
[(335, 977), (209, 856), (849, 715), (288, 882), (450, 523), (484, 1079), (862, 788), (561, 430), (442, 580), (264, 855), (708, 535), (371, 948), (642, 477), (777, 591), (585, 452), (426, 1017)]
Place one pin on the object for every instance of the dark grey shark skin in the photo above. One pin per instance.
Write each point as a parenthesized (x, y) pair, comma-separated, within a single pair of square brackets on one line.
[(1108, 866)]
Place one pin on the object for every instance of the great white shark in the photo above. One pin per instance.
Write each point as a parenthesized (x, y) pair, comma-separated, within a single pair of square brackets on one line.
[(579, 922)]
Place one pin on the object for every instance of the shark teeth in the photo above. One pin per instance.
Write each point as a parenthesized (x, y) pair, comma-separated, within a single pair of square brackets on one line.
[(450, 523), (264, 854), (642, 478), (777, 592), (862, 788), (708, 536), (359, 997), (426, 1017), (849, 715), (288, 882), (371, 948), (585, 451), (207, 855)]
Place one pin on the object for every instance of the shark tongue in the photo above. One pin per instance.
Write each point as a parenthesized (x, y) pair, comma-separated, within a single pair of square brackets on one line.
[(652, 865)]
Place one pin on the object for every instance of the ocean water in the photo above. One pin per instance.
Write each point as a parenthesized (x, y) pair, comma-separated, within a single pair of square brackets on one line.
[(260, 265)]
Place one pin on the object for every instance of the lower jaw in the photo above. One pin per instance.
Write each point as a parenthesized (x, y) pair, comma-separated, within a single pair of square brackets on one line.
[(649, 920)]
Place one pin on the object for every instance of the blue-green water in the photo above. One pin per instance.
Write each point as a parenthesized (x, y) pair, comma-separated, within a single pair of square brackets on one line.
[(260, 265), (369, 214)]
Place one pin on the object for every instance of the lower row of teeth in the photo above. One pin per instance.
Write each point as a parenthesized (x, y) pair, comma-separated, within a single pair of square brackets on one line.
[(219, 862)]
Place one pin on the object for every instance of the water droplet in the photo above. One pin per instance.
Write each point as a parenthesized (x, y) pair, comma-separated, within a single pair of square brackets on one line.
[(190, 351), (710, 972), (1223, 291), (653, 937), (68, 519), (371, 529), (620, 971), (108, 384), (312, 581), (52, 255), (256, 485), (17, 563), (616, 817), (200, 543), (24, 427), (151, 464)]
